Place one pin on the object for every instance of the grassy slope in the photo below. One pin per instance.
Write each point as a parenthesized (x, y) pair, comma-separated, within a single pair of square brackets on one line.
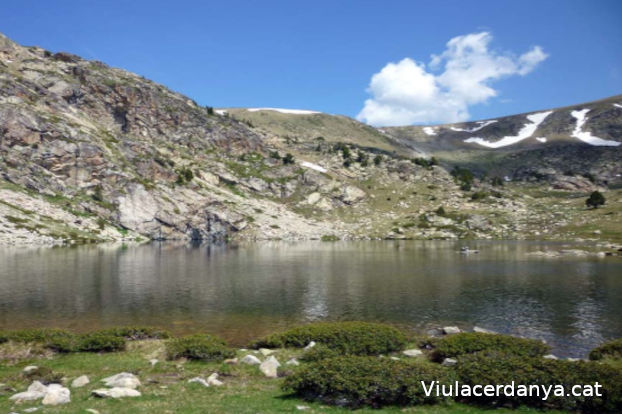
[(166, 389)]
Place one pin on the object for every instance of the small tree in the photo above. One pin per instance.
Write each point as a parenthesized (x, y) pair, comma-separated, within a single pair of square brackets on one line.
[(378, 159), (595, 199)]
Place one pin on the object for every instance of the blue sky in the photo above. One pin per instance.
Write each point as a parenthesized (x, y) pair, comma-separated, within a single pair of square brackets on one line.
[(322, 55)]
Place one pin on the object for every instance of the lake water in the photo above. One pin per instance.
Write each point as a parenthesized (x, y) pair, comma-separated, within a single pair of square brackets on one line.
[(242, 292)]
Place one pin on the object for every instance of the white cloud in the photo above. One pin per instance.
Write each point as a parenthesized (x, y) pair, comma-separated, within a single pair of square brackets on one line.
[(407, 92)]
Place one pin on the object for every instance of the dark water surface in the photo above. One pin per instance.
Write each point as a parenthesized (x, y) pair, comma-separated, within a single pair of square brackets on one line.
[(243, 292)]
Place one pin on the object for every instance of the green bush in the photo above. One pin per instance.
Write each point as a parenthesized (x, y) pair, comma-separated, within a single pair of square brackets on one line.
[(356, 381), (198, 347), (35, 335), (498, 368), (100, 342), (136, 333), (355, 338), (611, 349), (467, 343), (319, 352)]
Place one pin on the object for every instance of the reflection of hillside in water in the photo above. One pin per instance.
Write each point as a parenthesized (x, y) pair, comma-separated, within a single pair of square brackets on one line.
[(253, 289)]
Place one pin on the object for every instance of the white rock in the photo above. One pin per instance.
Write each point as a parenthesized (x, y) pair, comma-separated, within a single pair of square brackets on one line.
[(394, 358), (116, 392), (269, 367), (81, 381), (450, 330), (92, 411), (31, 409), (449, 362), (266, 351), (310, 345), (38, 387), (27, 396), (153, 362), (213, 380), (293, 362), (56, 394), (413, 352), (250, 360), (483, 330), (29, 369), (303, 407), (550, 356), (199, 380), (122, 380)]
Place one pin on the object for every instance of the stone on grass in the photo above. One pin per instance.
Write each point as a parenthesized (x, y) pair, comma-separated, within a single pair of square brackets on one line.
[(412, 352), (29, 369), (293, 362), (31, 409), (449, 362), (231, 361), (81, 381), (199, 380), (266, 351), (35, 391), (251, 360), (303, 407), (153, 362), (56, 395), (122, 380), (309, 345), (450, 330), (115, 392), (269, 367), (213, 380)]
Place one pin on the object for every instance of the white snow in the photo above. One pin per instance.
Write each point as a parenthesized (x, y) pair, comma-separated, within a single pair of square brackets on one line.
[(313, 166), (284, 111), (541, 139), (586, 136), (617, 105), (429, 130), (526, 131), (220, 111), (480, 125)]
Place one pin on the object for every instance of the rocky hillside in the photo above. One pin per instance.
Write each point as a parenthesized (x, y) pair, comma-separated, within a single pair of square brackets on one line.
[(91, 153)]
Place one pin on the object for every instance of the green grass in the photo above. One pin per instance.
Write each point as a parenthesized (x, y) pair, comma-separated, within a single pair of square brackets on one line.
[(166, 389)]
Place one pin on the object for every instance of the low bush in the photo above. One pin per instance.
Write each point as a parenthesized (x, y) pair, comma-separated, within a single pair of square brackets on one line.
[(354, 338), (319, 352), (136, 333), (356, 381), (498, 368), (467, 343), (198, 347), (90, 342), (611, 349), (34, 335)]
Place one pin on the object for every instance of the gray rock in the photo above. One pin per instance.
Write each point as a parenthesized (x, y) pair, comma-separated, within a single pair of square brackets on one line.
[(293, 362), (309, 345), (270, 367), (449, 362), (412, 352), (483, 330), (122, 380), (115, 392), (153, 362), (213, 380), (35, 391), (266, 351), (29, 369), (451, 330), (56, 394), (250, 360), (199, 380), (81, 381), (550, 356)]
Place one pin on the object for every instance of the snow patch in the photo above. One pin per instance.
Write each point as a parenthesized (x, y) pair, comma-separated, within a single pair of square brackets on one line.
[(429, 130), (313, 166), (220, 111), (480, 125), (541, 139), (586, 136), (526, 131), (617, 105), (284, 111)]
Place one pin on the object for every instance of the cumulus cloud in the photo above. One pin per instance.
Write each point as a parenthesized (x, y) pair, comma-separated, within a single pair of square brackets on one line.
[(410, 92)]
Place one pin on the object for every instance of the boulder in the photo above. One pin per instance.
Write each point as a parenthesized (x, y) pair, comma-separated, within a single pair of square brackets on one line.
[(412, 352), (56, 394), (450, 330), (269, 367), (115, 392), (449, 362), (81, 381), (266, 351), (29, 369), (122, 380), (199, 380), (35, 391), (309, 345), (250, 360), (352, 195), (213, 380)]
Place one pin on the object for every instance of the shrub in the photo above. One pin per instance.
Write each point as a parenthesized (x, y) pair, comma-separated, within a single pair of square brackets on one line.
[(135, 333), (275, 155), (611, 349), (441, 211), (357, 381), (184, 175), (288, 159), (319, 352), (497, 181), (198, 347), (35, 335), (356, 338), (377, 160), (100, 342), (479, 195), (471, 342), (595, 199), (497, 368)]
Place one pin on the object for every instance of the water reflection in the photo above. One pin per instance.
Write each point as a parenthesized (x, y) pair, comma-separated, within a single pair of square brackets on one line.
[(246, 291)]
